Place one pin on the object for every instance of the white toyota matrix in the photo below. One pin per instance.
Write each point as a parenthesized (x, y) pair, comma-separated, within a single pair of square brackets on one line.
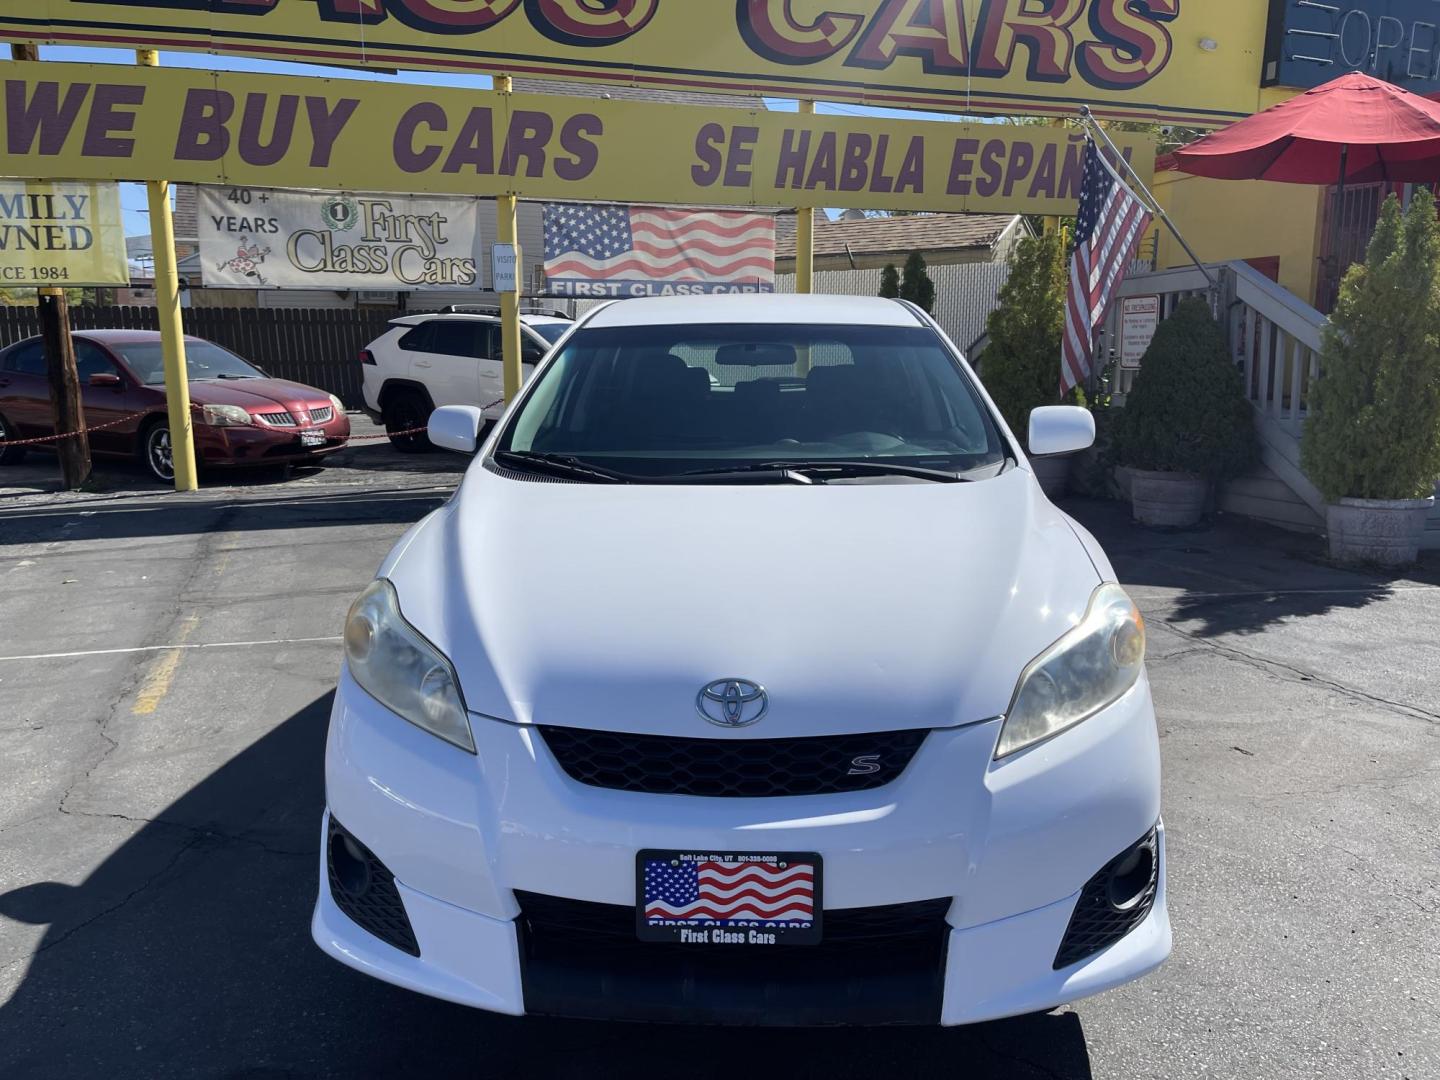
[(747, 678)]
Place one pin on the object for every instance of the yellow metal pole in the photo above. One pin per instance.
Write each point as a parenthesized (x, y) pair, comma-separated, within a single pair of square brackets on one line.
[(505, 233), (172, 328), (805, 234)]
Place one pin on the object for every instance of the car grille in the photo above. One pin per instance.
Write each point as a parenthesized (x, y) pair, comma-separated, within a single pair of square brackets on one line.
[(1096, 922), (364, 889), (322, 414), (732, 768), (880, 965), (276, 419)]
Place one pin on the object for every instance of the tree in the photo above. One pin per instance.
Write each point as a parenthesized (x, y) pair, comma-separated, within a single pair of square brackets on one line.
[(1187, 412), (916, 285), (890, 282), (1374, 427), (1022, 360)]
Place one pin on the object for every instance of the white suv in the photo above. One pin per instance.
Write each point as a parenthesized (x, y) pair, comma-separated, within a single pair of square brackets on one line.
[(450, 357)]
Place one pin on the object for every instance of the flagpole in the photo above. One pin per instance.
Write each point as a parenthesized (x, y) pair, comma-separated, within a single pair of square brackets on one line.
[(1088, 119)]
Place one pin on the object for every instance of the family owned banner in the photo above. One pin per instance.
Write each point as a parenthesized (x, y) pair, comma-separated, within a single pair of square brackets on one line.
[(268, 238), (61, 234)]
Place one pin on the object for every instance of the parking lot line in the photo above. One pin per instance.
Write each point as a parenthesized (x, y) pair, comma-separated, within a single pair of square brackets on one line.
[(178, 648)]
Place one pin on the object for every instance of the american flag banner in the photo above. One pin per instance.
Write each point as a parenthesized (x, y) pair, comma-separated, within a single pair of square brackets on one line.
[(1111, 222), (707, 892), (614, 251)]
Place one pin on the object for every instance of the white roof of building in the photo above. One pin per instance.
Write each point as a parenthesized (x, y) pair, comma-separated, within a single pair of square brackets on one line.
[(754, 308)]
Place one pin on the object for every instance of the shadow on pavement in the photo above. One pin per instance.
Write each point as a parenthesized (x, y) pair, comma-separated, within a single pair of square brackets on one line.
[(188, 953), (1235, 576)]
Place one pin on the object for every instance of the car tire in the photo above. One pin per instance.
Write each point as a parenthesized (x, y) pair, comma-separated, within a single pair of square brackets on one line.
[(156, 452), (9, 455), (405, 412)]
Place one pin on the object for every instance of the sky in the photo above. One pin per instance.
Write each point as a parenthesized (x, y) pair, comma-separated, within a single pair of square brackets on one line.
[(132, 196)]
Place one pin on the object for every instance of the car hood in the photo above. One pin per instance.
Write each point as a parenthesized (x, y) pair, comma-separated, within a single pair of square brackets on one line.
[(862, 607), (256, 394)]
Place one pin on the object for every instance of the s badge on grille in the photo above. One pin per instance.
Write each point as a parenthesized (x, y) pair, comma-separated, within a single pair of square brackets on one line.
[(732, 703)]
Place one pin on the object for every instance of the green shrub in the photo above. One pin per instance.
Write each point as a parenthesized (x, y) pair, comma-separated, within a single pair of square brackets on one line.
[(890, 282), (1374, 429), (916, 285), (1021, 364), (1187, 411)]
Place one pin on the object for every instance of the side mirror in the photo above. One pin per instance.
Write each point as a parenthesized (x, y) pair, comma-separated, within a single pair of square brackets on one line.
[(1061, 429), (456, 427), (106, 378)]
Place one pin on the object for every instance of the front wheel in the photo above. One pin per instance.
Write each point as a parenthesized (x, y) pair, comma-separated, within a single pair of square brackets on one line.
[(157, 453), (407, 413), (9, 455)]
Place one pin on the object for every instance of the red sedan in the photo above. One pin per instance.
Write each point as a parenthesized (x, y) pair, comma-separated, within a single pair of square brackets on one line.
[(241, 415)]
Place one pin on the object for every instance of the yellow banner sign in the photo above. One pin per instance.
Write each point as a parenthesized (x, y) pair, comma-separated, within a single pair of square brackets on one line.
[(120, 123), (61, 234), (1163, 60)]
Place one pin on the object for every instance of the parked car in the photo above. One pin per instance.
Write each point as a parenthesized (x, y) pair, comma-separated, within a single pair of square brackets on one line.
[(749, 677), (241, 415), (450, 357)]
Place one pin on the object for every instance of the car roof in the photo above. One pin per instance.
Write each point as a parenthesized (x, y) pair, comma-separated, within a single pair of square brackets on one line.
[(425, 316), (118, 336), (755, 308)]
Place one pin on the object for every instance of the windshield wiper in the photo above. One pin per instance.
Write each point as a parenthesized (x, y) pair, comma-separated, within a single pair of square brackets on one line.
[(229, 375), (559, 465), (822, 470)]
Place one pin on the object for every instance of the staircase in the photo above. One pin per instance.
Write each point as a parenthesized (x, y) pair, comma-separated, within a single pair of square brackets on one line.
[(1274, 337)]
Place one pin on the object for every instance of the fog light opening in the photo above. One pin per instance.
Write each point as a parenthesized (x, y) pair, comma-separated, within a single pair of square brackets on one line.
[(1130, 880), (349, 865)]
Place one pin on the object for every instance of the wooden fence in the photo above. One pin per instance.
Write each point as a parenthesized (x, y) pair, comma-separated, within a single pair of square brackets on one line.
[(319, 347)]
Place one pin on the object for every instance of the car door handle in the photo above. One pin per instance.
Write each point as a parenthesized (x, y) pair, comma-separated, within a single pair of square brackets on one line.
[(423, 363)]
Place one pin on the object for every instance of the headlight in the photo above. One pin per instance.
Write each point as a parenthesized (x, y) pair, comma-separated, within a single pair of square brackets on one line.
[(339, 405), (225, 416), (1087, 669), (401, 670)]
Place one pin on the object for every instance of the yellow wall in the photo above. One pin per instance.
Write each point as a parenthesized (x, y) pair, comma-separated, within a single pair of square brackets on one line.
[(1244, 219)]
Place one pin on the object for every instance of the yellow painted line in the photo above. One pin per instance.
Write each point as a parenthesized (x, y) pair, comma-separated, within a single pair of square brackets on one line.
[(162, 675)]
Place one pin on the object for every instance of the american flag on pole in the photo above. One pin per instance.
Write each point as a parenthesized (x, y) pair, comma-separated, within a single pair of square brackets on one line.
[(1111, 223), (595, 250), (706, 893)]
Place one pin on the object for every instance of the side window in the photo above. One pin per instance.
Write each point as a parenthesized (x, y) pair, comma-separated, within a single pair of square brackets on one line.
[(490, 339), (531, 351), (27, 359), (457, 338), (91, 359), (417, 340)]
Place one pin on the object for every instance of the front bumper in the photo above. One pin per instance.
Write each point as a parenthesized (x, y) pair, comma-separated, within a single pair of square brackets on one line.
[(1009, 845), (259, 445)]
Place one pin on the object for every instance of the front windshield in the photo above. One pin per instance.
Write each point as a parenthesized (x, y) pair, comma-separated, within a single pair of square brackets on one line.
[(659, 401), (550, 331), (203, 360)]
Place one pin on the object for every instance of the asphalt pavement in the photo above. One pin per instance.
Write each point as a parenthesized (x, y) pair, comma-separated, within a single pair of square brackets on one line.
[(166, 666)]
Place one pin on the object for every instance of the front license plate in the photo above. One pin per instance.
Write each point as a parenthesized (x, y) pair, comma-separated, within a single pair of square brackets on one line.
[(312, 438), (728, 899)]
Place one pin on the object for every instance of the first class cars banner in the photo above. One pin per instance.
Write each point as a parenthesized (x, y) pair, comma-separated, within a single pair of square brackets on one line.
[(61, 233), (104, 122), (265, 238), (1127, 59)]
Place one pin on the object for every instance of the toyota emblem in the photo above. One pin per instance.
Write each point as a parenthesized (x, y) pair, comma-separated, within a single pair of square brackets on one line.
[(732, 703)]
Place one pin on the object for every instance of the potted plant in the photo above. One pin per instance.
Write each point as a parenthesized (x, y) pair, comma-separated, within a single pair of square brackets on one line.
[(1186, 423), (1372, 443), (1021, 365)]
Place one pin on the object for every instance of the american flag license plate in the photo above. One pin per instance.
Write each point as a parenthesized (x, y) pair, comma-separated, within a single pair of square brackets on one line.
[(728, 899)]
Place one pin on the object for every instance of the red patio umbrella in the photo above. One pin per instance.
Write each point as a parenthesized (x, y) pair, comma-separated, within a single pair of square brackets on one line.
[(1355, 130)]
